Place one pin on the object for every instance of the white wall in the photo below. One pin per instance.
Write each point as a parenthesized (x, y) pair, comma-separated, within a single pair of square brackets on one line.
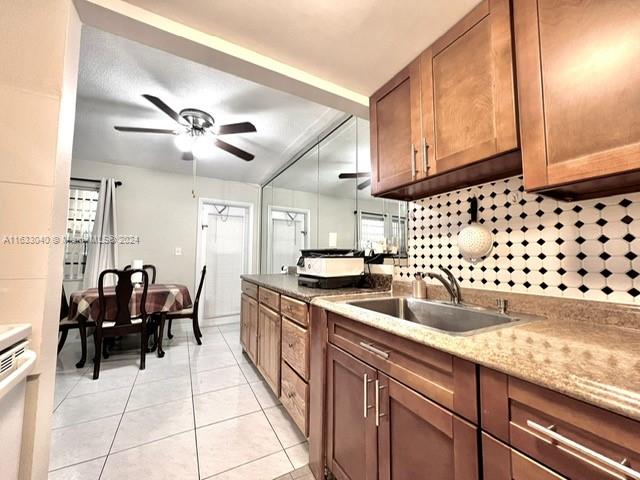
[(159, 208), (39, 48)]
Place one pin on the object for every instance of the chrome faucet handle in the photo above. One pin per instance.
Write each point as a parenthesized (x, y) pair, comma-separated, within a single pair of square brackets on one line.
[(502, 304)]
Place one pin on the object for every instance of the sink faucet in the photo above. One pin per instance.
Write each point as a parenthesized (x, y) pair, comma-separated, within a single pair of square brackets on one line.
[(455, 286), (450, 283)]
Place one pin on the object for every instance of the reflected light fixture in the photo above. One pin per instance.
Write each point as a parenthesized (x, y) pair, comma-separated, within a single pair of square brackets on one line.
[(200, 146)]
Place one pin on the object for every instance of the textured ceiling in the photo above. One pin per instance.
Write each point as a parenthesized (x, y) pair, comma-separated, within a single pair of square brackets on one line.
[(115, 72), (358, 44)]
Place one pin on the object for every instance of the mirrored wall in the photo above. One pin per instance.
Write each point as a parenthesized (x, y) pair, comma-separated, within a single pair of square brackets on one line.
[(323, 200)]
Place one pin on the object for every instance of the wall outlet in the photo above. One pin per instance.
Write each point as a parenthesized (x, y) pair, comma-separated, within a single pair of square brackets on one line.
[(178, 250)]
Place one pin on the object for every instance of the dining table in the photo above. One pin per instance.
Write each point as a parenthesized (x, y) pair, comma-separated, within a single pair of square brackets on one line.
[(162, 298)]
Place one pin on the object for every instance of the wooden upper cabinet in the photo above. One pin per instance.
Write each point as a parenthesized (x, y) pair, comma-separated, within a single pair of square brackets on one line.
[(396, 131), (452, 110), (578, 68), (468, 95)]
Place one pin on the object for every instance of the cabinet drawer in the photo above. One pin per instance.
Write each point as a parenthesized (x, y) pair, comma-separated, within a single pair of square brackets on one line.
[(446, 379), (269, 298), (250, 289), (295, 397), (573, 438), (500, 462), (295, 347), (295, 310)]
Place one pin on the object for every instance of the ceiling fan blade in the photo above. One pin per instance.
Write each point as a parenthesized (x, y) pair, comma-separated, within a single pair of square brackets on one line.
[(236, 128), (343, 176), (165, 108), (145, 130), (234, 150), (187, 156), (364, 184)]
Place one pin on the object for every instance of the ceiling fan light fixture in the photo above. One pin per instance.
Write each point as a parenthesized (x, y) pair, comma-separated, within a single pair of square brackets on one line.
[(184, 141), (201, 146)]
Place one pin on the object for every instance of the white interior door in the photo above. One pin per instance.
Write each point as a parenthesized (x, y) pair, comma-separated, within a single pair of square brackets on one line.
[(226, 244), (289, 235)]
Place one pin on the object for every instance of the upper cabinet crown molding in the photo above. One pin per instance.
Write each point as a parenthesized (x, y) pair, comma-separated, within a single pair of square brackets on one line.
[(578, 65), (450, 110)]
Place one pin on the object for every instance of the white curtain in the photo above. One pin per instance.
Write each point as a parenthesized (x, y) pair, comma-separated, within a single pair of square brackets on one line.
[(102, 253)]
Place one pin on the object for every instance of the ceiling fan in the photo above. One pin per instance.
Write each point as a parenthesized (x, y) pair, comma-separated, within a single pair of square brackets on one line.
[(195, 130), (361, 186)]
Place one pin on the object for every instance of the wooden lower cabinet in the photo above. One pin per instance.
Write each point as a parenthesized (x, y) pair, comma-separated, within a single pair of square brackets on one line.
[(416, 436), (570, 437), (500, 462), (352, 451), (249, 326), (295, 397), (380, 428), (268, 362)]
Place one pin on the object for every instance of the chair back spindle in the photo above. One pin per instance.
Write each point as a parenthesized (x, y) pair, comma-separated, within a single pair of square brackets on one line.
[(124, 294), (148, 266)]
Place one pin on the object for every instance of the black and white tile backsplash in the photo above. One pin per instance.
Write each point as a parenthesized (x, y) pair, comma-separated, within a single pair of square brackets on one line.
[(588, 249)]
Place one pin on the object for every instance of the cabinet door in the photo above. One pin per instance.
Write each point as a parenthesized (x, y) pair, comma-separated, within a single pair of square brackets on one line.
[(351, 425), (578, 65), (269, 347), (417, 436), (244, 322), (249, 326), (396, 131), (252, 348), (468, 95)]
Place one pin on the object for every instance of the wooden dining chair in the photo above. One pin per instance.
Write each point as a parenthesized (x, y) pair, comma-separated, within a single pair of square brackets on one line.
[(122, 321), (67, 324), (147, 267), (191, 312)]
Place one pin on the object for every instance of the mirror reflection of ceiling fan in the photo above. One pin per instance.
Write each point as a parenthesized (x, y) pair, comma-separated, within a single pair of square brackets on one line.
[(196, 131), (361, 186)]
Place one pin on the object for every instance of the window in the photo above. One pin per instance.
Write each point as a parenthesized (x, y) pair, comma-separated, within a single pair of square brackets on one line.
[(83, 203), (372, 229), (378, 229)]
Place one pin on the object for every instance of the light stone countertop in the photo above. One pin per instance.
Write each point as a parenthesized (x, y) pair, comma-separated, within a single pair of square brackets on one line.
[(598, 364), (288, 285)]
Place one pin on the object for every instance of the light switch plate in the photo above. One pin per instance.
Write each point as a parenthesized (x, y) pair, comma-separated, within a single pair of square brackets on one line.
[(178, 250)]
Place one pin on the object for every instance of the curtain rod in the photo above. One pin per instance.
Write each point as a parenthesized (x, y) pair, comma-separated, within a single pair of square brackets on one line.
[(118, 182)]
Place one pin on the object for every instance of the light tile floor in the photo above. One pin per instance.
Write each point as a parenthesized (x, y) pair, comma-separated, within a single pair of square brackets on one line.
[(201, 412)]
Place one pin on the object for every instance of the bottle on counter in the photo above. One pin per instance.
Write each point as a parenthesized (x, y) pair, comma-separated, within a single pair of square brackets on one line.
[(419, 286)]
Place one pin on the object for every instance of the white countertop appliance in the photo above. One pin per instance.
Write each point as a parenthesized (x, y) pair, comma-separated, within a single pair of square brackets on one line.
[(330, 268), (16, 362)]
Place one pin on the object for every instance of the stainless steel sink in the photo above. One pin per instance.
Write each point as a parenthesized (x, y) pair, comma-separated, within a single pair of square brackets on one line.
[(455, 319)]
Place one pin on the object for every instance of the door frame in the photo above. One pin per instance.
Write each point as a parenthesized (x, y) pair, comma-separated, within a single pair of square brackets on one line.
[(270, 209), (200, 260)]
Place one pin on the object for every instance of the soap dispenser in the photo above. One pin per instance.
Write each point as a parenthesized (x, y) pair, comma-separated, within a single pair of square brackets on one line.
[(419, 286)]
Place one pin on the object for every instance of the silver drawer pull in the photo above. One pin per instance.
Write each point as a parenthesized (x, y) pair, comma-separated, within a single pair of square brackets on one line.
[(620, 467), (413, 161), (374, 349), (365, 394), (378, 414), (425, 159)]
